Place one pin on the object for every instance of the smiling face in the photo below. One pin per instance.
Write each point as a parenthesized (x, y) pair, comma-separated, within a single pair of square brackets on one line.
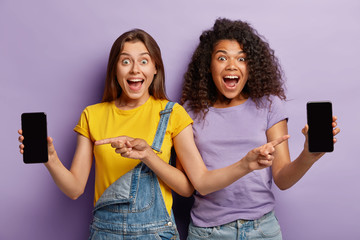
[(135, 72), (229, 72)]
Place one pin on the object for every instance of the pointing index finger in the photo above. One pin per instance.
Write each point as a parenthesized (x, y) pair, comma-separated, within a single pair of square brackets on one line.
[(105, 141), (280, 140), (112, 140)]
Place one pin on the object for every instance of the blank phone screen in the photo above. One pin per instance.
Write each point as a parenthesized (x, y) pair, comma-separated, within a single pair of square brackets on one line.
[(320, 135), (34, 130)]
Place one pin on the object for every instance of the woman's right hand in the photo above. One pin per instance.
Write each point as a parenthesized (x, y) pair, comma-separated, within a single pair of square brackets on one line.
[(51, 148), (21, 140), (72, 182), (263, 156)]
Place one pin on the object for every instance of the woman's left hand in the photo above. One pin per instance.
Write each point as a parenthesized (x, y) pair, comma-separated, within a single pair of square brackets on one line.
[(129, 147), (305, 130)]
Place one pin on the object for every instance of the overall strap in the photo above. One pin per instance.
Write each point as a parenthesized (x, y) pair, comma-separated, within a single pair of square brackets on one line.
[(161, 129)]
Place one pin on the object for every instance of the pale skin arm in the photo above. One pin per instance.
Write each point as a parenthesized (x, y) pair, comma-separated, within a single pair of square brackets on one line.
[(139, 149), (286, 172), (71, 182), (201, 178)]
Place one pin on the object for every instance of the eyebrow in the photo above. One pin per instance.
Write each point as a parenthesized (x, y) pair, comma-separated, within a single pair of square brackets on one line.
[(141, 54), (223, 51)]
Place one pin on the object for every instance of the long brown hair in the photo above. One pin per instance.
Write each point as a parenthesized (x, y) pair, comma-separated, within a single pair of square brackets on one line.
[(112, 88)]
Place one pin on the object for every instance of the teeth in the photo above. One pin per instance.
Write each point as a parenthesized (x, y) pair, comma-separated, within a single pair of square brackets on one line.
[(135, 80), (231, 77)]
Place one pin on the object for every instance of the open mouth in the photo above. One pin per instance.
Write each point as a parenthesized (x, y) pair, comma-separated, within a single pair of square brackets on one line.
[(135, 84), (230, 81)]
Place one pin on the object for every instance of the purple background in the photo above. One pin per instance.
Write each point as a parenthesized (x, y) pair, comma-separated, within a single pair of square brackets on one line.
[(53, 56)]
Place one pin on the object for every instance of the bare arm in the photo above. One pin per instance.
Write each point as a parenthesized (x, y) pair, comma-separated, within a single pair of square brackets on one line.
[(175, 178), (72, 182), (285, 172), (206, 181)]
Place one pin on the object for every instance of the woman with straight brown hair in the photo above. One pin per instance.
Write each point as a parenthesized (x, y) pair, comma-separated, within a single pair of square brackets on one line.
[(132, 197), (112, 88)]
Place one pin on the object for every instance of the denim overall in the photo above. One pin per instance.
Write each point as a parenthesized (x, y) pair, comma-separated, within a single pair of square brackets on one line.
[(133, 206)]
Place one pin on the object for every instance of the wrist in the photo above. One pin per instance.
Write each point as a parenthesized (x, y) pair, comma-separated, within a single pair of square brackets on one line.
[(244, 165), (52, 158), (149, 153), (309, 157)]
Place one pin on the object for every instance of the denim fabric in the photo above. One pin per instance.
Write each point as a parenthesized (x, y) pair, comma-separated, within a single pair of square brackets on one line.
[(160, 132), (133, 206), (267, 227)]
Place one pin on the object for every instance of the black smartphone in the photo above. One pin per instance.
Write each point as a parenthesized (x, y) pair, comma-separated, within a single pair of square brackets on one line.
[(34, 129), (319, 119)]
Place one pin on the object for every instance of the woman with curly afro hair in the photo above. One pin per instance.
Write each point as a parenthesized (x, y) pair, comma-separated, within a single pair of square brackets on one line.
[(234, 91)]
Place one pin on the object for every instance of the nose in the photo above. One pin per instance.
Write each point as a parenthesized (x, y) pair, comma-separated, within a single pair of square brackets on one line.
[(135, 68), (231, 64)]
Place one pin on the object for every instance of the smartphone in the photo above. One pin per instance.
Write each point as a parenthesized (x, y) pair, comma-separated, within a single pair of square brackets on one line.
[(34, 129), (319, 119)]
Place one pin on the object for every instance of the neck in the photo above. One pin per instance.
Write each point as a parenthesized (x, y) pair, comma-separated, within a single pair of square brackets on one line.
[(128, 104), (223, 102)]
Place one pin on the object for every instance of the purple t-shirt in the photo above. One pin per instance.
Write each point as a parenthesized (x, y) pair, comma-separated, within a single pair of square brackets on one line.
[(223, 138)]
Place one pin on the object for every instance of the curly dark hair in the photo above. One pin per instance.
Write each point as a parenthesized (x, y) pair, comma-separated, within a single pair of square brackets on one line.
[(265, 73)]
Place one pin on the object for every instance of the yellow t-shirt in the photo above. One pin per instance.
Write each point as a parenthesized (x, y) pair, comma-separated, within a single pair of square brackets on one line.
[(105, 120)]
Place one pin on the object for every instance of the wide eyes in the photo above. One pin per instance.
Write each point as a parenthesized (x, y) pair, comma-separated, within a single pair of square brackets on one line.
[(223, 58), (127, 61)]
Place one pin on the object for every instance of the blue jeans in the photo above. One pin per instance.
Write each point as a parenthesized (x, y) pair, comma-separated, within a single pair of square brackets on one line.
[(266, 227), (133, 208)]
